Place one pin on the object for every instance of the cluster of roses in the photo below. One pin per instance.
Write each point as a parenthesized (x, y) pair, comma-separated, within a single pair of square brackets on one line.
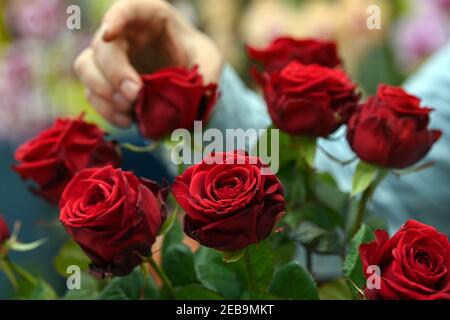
[(115, 216), (308, 94)]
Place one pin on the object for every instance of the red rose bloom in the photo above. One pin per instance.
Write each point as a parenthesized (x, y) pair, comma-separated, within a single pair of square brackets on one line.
[(284, 50), (414, 263), (391, 129), (229, 204), (309, 99), (173, 98), (4, 231), (114, 217), (56, 154)]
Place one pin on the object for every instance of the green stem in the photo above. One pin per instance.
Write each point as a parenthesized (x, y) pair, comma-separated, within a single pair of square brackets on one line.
[(162, 275), (180, 169), (248, 266), (306, 152), (22, 272), (309, 265), (364, 201), (145, 276)]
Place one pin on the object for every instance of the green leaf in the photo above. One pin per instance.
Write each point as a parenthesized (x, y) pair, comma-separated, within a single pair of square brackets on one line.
[(317, 239), (38, 289), (262, 259), (352, 268), (328, 193), (292, 281), (178, 263), (130, 287), (247, 295), (89, 289), (283, 247), (197, 292), (364, 175), (325, 218), (43, 291), (335, 290), (70, 254), (215, 275), (233, 256)]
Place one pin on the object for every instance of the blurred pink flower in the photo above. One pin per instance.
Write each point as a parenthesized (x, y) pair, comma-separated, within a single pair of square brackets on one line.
[(421, 34), (23, 105), (36, 18), (445, 4)]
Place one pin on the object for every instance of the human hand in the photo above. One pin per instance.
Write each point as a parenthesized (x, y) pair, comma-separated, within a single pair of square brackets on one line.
[(137, 37)]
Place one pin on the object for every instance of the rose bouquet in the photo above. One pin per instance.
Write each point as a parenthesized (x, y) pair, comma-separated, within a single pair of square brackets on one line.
[(229, 227)]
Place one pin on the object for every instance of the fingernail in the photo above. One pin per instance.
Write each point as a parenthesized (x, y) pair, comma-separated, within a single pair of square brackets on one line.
[(122, 120), (120, 99), (130, 89)]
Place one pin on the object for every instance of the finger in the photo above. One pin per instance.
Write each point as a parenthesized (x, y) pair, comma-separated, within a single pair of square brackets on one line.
[(102, 106), (93, 79), (112, 61), (115, 20), (123, 13)]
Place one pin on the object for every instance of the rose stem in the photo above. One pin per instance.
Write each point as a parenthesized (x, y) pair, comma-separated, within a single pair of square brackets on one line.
[(22, 272), (162, 275), (309, 260), (180, 169), (365, 199), (145, 276), (248, 266)]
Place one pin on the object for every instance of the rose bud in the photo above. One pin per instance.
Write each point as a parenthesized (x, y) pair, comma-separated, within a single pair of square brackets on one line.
[(391, 129), (229, 206), (52, 158), (309, 99), (114, 217), (284, 50), (414, 264), (4, 230), (173, 98)]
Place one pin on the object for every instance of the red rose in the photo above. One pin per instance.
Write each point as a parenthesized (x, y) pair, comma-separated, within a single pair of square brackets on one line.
[(4, 231), (391, 129), (229, 205), (284, 50), (173, 98), (414, 263), (114, 217), (56, 154), (309, 99)]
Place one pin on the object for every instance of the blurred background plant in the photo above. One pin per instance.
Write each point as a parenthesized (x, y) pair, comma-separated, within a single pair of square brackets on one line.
[(37, 82)]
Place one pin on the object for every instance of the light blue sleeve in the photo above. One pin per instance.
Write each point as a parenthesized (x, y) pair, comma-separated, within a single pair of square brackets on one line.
[(424, 196), (238, 107)]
